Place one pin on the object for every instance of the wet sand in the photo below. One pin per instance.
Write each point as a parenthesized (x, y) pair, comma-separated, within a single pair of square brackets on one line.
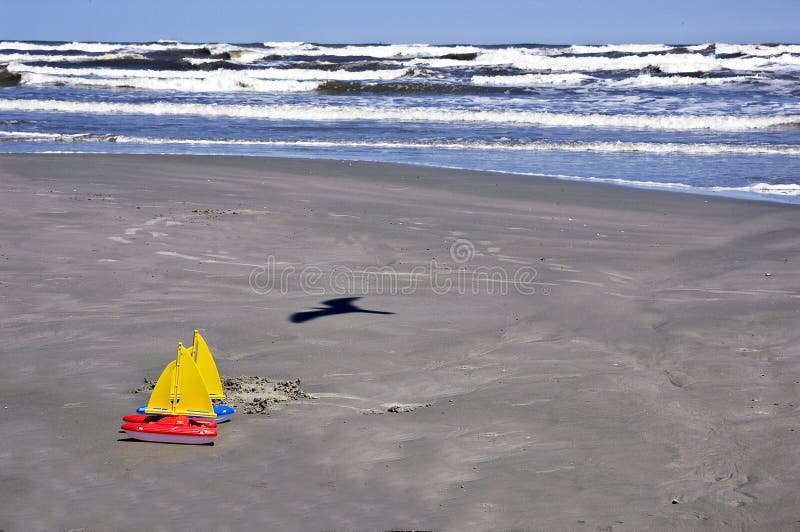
[(548, 355)]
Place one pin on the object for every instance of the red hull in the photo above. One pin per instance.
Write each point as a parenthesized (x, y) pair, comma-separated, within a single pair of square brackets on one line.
[(169, 429), (152, 418)]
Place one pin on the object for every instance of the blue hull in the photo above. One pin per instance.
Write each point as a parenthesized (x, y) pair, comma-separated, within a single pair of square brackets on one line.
[(224, 413)]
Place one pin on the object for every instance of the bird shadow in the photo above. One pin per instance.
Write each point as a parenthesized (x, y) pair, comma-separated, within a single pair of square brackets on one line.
[(341, 305)]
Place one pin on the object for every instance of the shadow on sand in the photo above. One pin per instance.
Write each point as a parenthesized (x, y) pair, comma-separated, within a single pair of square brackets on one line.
[(125, 439), (342, 305)]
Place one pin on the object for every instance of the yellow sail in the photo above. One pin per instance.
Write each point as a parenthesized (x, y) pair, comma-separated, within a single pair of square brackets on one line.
[(207, 367), (180, 389), (160, 401)]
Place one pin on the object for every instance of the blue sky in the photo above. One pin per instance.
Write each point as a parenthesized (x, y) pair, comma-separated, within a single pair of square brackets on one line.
[(404, 21)]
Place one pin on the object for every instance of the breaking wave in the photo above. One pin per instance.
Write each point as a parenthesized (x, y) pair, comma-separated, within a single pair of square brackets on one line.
[(708, 57), (224, 81), (97, 47), (666, 63), (757, 188), (532, 80), (789, 189), (220, 80), (394, 51), (266, 73), (198, 67), (411, 114), (533, 146), (642, 80), (29, 58)]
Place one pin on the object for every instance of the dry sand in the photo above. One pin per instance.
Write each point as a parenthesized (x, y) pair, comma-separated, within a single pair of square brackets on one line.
[(647, 377)]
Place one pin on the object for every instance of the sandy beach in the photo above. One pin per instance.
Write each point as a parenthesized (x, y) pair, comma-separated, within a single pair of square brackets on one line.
[(539, 355)]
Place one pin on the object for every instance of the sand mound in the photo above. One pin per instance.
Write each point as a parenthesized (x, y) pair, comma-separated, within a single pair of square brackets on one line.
[(396, 408), (249, 394), (255, 395)]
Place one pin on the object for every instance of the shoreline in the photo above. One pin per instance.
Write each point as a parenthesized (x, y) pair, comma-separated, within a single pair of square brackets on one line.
[(606, 183), (678, 188), (642, 376)]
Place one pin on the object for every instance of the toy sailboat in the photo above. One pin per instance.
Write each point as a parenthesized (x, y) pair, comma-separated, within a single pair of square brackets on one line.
[(179, 393), (201, 355)]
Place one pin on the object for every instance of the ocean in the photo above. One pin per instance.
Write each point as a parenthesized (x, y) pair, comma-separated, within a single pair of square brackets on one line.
[(711, 118)]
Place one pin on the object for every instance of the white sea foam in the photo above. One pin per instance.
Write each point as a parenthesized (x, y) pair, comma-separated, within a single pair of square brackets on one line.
[(668, 63), (286, 44), (199, 60), (534, 146), (39, 52), (30, 58), (625, 48), (523, 59), (412, 114), (398, 51), (790, 189), (758, 188), (80, 46), (757, 49), (324, 75), (532, 80), (783, 62), (572, 79), (96, 47), (28, 135), (222, 81), (647, 80), (219, 77)]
